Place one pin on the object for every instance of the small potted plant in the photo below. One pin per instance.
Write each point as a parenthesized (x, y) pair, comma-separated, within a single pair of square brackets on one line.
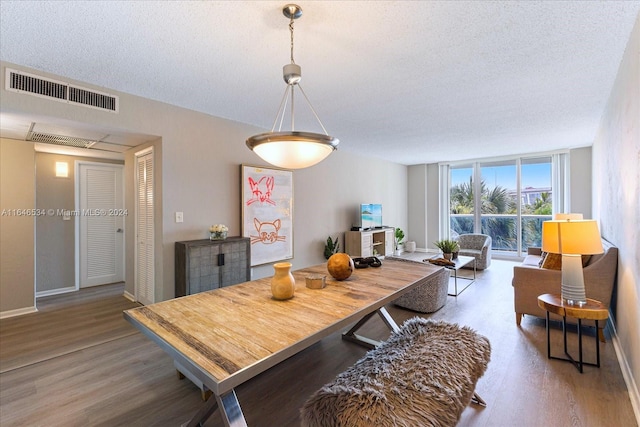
[(448, 247), (399, 239), (331, 247)]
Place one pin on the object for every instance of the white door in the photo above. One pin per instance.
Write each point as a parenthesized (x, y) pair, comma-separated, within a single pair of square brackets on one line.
[(101, 216), (144, 285)]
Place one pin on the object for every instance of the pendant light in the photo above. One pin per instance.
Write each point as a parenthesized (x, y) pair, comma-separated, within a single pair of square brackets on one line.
[(292, 149)]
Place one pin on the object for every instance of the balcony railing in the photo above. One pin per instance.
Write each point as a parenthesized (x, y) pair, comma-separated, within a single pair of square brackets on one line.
[(503, 230)]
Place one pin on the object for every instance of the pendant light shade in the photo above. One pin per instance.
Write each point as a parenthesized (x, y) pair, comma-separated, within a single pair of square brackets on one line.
[(292, 149)]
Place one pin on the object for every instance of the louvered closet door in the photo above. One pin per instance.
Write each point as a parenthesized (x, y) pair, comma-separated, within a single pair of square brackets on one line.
[(101, 223), (144, 229)]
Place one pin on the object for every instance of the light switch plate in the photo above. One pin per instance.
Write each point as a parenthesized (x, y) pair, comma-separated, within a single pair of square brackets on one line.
[(179, 217)]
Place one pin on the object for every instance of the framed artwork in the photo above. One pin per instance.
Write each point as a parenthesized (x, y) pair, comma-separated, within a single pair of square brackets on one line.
[(267, 213)]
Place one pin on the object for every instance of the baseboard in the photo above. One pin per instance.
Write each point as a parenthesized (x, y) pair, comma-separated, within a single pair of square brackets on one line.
[(632, 387), (18, 312), (55, 291), (128, 296)]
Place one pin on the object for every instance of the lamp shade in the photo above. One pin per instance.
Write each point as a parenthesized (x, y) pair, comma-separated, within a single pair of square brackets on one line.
[(571, 216), (571, 237), (292, 150)]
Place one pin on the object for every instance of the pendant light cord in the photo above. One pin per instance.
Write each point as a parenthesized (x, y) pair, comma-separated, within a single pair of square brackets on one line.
[(291, 31)]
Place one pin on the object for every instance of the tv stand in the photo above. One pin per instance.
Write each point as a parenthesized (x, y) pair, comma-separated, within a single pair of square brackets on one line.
[(378, 242)]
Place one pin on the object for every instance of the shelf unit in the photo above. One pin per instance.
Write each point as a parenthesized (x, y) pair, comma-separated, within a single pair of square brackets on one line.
[(377, 242)]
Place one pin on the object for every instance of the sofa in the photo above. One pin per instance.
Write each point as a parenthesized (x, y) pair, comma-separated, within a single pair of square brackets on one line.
[(531, 280), (477, 246)]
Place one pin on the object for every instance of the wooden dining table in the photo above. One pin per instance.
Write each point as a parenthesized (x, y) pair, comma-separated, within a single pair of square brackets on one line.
[(227, 336)]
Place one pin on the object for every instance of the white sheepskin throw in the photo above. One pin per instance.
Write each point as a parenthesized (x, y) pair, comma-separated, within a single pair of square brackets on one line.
[(423, 375)]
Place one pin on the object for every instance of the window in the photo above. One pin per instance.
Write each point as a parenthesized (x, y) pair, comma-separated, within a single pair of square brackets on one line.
[(506, 199)]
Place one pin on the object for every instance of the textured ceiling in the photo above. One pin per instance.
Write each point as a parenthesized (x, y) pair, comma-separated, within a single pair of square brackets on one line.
[(408, 81)]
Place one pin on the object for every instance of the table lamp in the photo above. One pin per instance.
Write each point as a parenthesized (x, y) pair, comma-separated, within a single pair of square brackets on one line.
[(572, 238)]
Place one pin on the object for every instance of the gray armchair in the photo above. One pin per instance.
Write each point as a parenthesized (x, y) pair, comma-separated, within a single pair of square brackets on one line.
[(477, 246), (430, 297)]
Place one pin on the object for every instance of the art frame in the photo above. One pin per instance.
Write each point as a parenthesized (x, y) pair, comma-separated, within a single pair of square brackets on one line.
[(267, 212)]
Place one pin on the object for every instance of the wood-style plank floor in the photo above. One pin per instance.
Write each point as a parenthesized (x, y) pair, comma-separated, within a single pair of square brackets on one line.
[(129, 381)]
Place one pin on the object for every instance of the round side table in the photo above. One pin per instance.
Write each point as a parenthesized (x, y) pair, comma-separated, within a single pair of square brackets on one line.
[(592, 310)]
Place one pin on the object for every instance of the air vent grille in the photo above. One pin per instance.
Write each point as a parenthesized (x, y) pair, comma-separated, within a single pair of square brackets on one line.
[(21, 82), (38, 86), (94, 99), (60, 140)]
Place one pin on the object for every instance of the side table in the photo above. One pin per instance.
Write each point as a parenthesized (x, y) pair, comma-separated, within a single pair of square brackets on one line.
[(592, 310)]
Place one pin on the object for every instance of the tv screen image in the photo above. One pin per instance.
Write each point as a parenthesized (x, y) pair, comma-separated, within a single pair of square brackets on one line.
[(371, 215)]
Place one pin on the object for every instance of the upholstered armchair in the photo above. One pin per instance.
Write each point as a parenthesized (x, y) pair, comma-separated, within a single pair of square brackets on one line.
[(430, 297), (477, 246)]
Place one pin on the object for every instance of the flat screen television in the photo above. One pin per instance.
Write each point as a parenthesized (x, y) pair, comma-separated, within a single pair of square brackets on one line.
[(370, 215)]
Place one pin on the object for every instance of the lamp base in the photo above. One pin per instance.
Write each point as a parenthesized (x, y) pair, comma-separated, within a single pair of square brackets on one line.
[(573, 292)]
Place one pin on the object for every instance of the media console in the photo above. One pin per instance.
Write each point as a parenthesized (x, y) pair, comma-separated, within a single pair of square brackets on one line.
[(375, 242)]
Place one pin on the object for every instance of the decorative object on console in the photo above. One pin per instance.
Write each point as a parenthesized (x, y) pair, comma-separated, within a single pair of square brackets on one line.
[(294, 149), (283, 284), (572, 238), (218, 232), (448, 247), (331, 247), (340, 266)]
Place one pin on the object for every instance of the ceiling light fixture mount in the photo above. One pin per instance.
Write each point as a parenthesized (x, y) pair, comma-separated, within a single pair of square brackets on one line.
[(292, 149)]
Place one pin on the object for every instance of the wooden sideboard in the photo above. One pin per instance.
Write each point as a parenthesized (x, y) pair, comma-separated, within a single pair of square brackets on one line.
[(203, 265), (377, 242)]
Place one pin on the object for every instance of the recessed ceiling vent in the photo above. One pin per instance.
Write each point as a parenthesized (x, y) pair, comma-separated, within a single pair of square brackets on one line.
[(18, 81), (68, 141)]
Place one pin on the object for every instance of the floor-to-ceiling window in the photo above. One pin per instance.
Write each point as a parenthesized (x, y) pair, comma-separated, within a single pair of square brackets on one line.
[(506, 199)]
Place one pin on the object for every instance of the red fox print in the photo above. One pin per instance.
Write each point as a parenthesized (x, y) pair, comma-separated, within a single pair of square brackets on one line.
[(261, 190), (267, 232)]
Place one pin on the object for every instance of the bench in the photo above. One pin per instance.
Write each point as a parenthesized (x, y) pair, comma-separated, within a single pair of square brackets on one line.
[(423, 375)]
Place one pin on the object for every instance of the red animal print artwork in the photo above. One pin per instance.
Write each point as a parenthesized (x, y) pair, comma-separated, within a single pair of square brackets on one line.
[(267, 232), (261, 190)]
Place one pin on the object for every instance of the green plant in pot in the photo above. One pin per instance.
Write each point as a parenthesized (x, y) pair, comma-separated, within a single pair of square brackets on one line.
[(399, 238), (331, 247), (448, 247)]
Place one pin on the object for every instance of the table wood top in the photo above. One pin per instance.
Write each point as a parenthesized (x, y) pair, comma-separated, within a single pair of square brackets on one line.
[(592, 310), (231, 334)]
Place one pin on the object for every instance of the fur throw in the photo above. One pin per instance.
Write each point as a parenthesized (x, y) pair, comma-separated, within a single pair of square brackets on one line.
[(423, 375)]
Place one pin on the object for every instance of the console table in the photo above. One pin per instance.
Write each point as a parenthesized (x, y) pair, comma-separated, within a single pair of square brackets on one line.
[(229, 335), (375, 242), (202, 265)]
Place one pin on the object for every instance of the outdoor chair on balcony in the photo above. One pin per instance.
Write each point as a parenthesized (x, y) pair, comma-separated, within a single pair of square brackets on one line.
[(477, 246)]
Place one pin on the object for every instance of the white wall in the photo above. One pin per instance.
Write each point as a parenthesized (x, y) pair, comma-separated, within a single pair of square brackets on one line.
[(199, 157), (580, 177), (616, 202), (17, 254)]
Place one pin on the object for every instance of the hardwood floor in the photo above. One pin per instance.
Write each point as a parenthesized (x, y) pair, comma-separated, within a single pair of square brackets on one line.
[(129, 381)]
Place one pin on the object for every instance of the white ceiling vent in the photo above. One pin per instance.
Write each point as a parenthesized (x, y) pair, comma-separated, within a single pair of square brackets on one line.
[(18, 81), (68, 141)]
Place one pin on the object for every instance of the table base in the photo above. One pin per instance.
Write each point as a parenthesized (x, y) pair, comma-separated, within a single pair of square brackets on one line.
[(580, 362)]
